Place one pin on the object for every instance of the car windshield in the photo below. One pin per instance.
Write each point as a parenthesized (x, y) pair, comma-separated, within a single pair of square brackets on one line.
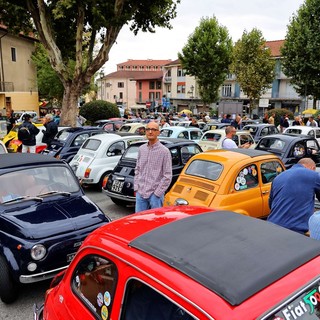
[(293, 131), (204, 169), (252, 129), (166, 133), (63, 135), (131, 153), (91, 144), (37, 182), (272, 143)]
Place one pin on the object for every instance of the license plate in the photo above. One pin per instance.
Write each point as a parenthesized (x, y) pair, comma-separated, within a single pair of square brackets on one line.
[(70, 256), (117, 186)]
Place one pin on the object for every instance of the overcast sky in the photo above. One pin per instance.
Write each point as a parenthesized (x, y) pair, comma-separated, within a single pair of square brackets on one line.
[(270, 17)]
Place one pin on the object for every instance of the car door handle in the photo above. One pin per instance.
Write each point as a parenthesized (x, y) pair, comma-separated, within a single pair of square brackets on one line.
[(265, 191)]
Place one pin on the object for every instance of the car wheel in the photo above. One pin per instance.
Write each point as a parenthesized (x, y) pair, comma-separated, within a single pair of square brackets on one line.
[(119, 202), (100, 183), (8, 287)]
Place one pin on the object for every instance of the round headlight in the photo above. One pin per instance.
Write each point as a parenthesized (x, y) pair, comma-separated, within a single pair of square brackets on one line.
[(38, 251)]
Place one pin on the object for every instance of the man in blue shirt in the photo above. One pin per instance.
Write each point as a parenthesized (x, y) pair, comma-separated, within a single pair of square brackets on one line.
[(292, 196)]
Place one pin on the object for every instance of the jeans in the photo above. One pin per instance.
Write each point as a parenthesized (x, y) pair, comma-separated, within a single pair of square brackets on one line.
[(150, 203), (314, 225)]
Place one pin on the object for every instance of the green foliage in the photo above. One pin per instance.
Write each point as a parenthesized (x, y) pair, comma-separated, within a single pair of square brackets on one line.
[(253, 66), (99, 109), (301, 54), (70, 29), (49, 84), (279, 113), (207, 56)]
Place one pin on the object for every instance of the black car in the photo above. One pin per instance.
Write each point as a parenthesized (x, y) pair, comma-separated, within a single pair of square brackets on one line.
[(260, 130), (68, 141), (44, 217), (119, 184), (291, 148)]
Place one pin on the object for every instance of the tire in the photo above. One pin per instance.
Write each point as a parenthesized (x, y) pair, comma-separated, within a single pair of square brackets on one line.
[(119, 202), (8, 287), (99, 184)]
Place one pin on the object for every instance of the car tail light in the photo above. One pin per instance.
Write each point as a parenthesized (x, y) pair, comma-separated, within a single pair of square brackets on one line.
[(87, 173), (16, 142), (104, 182)]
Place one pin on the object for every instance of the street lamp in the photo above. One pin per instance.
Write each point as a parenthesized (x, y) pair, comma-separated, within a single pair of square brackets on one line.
[(191, 97), (101, 77)]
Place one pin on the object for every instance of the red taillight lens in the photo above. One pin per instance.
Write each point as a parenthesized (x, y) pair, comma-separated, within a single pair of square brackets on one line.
[(87, 173), (104, 182)]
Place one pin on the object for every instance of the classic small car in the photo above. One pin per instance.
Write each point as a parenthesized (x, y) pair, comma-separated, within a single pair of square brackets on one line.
[(188, 263), (99, 155), (181, 132), (234, 179), (44, 217), (186, 124), (310, 131), (260, 130), (134, 127), (68, 141), (213, 139), (119, 184), (212, 125), (290, 148), (13, 144)]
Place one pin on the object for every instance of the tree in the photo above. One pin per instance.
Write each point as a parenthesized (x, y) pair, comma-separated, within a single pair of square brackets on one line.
[(207, 56), (253, 66), (49, 84), (69, 29), (300, 52)]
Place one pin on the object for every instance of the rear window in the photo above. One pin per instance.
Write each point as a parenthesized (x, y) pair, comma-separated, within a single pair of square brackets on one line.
[(294, 131), (211, 136), (63, 135), (205, 169), (272, 143), (131, 153), (251, 128), (165, 133), (91, 144), (303, 305)]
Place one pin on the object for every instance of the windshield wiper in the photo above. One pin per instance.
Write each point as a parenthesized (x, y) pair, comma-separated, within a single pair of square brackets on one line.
[(63, 193), (23, 198)]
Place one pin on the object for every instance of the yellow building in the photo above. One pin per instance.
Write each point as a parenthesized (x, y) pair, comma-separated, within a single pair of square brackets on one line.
[(18, 76)]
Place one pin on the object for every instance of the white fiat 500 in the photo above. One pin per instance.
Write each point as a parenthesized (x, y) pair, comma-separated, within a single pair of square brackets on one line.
[(99, 155)]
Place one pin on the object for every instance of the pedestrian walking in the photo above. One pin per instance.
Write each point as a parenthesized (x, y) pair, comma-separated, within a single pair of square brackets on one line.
[(153, 171), (27, 135), (291, 207), (51, 129)]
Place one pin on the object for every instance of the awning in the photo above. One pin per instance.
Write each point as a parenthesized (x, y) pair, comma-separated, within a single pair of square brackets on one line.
[(309, 111)]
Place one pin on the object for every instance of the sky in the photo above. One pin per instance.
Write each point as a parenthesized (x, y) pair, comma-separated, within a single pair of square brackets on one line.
[(270, 17)]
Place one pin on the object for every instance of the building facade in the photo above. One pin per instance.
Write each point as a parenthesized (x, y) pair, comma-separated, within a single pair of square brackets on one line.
[(18, 75), (136, 84)]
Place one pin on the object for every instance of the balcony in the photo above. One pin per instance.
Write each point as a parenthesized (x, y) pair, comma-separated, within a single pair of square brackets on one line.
[(6, 86), (167, 79)]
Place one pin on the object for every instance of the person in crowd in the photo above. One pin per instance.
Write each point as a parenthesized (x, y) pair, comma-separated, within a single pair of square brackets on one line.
[(297, 121), (164, 123), (11, 121), (57, 117), (318, 120), (226, 119), (194, 123), (291, 207), (228, 142), (265, 118), (285, 123), (271, 118), (314, 225), (237, 122), (153, 171), (28, 140), (51, 129), (311, 122), (80, 121)]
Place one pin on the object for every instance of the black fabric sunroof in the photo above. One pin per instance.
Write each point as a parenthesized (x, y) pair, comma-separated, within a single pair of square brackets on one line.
[(232, 255)]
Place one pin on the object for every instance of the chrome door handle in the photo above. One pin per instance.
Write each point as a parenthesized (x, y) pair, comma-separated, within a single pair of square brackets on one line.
[(266, 191)]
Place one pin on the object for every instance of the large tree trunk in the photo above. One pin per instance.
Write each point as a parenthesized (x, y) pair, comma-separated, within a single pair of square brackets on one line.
[(70, 109)]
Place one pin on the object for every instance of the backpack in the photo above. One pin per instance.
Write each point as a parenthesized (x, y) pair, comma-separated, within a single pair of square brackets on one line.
[(24, 134)]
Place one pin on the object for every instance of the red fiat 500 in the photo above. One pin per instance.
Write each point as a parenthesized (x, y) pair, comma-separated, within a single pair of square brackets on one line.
[(188, 263)]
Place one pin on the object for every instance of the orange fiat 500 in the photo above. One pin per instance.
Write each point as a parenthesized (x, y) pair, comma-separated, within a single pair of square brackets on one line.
[(237, 180)]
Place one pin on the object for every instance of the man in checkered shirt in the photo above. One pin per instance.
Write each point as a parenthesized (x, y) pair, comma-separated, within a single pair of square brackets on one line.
[(153, 172)]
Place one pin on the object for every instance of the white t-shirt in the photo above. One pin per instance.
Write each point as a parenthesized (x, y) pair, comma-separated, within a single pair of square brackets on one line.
[(229, 144)]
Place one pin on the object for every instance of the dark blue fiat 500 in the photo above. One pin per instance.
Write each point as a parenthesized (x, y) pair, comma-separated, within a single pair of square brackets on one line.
[(44, 217)]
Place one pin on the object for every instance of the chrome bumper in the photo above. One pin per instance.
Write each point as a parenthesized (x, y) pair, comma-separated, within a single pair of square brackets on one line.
[(38, 312), (40, 276), (119, 196)]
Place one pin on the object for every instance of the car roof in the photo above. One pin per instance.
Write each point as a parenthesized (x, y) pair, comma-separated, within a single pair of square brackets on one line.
[(180, 128), (12, 160), (259, 125), (287, 137), (86, 128), (235, 154), (220, 250), (167, 142)]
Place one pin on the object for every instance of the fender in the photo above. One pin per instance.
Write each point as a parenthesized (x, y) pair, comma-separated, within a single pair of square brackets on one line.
[(11, 260)]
